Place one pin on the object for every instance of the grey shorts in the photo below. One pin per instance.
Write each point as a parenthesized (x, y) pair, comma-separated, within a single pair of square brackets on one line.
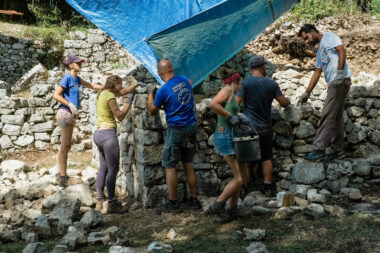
[(180, 145)]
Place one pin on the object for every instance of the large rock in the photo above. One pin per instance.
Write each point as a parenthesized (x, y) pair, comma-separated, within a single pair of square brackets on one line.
[(313, 196), (314, 210), (254, 234), (158, 247), (357, 91), (150, 175), (149, 155), (282, 127), (356, 135), (305, 129), (96, 39), (305, 172), (92, 218), (5, 142), (338, 169), (300, 190), (81, 191), (284, 141), (256, 247), (24, 82), (43, 127), (292, 114), (13, 119), (36, 247), (147, 137), (24, 140), (13, 167), (145, 121), (11, 236), (361, 167), (352, 193), (40, 90), (43, 226), (11, 129), (66, 211), (121, 249)]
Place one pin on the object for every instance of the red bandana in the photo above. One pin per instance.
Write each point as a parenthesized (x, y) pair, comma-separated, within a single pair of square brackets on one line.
[(232, 78)]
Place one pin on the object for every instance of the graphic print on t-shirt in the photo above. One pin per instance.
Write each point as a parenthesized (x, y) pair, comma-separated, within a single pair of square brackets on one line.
[(184, 94)]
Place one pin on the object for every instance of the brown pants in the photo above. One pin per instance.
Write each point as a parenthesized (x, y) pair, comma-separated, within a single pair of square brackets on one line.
[(331, 125)]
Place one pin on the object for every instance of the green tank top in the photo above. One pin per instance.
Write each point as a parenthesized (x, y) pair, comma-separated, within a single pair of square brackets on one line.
[(231, 107)]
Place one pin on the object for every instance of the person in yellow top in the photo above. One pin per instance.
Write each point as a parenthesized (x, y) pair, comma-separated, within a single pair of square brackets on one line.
[(105, 137)]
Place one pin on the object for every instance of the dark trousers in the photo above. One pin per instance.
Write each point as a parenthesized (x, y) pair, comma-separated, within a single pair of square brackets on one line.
[(331, 125), (109, 156)]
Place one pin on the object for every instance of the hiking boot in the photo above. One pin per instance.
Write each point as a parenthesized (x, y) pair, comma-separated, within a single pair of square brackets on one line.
[(99, 204), (315, 156), (115, 206), (335, 156), (169, 207), (192, 204), (61, 180), (217, 208), (269, 190)]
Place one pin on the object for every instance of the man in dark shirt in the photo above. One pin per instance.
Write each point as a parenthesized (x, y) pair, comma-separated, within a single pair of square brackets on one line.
[(258, 93)]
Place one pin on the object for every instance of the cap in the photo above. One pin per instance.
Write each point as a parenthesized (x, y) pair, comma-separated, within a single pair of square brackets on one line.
[(73, 58), (256, 61)]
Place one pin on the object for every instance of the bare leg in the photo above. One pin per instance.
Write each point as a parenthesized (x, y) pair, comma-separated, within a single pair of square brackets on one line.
[(267, 169), (171, 182), (235, 184), (244, 173), (191, 179), (66, 134)]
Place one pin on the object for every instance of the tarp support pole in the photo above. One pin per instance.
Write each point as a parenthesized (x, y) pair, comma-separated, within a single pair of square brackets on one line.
[(272, 10)]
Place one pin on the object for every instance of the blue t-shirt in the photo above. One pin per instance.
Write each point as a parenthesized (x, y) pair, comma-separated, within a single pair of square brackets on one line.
[(258, 94), (177, 98), (327, 57), (72, 90)]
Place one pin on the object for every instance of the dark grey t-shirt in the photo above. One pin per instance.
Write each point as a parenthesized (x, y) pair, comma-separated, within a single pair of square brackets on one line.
[(258, 94)]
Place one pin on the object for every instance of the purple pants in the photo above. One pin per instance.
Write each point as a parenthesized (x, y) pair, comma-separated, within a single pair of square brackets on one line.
[(109, 156)]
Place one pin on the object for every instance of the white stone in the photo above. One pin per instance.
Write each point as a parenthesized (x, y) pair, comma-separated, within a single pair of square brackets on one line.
[(13, 119), (24, 140), (41, 145), (5, 142), (13, 167), (11, 129)]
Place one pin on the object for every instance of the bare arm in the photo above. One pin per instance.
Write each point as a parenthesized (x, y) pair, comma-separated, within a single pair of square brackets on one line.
[(58, 95), (216, 103), (127, 90), (314, 80), (342, 56), (90, 85), (119, 114), (152, 109), (239, 100), (283, 101)]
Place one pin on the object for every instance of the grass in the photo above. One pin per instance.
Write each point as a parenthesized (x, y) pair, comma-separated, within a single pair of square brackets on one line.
[(119, 66)]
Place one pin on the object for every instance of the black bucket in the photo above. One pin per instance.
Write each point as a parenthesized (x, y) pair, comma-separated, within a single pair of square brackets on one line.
[(247, 148)]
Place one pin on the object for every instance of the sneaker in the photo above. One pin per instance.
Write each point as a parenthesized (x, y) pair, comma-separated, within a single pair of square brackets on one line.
[(169, 207), (269, 190), (192, 204), (335, 156), (61, 180), (315, 156), (115, 206), (217, 208)]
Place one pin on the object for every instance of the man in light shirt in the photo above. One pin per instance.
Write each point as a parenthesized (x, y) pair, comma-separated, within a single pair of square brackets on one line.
[(331, 59)]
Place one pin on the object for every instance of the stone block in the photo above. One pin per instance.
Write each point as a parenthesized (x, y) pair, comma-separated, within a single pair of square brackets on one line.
[(150, 175), (43, 127), (147, 137), (145, 121), (292, 114), (361, 167), (37, 118), (5, 142), (314, 210), (283, 128), (40, 90), (24, 140), (11, 130), (207, 182), (308, 172), (149, 155), (305, 129), (13, 119)]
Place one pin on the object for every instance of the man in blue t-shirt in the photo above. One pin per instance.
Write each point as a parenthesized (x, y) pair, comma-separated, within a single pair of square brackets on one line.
[(258, 93), (176, 97), (331, 59)]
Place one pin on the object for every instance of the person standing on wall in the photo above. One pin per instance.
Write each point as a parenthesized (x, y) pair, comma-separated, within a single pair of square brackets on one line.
[(105, 137), (176, 97), (225, 105), (69, 94), (258, 93), (331, 59)]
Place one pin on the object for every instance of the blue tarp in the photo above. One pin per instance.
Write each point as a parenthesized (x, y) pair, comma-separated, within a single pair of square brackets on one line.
[(196, 35)]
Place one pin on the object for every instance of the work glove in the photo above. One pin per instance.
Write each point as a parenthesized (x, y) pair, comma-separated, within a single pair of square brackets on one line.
[(244, 119), (338, 79), (234, 120), (150, 88), (73, 109), (141, 84), (304, 97), (130, 97)]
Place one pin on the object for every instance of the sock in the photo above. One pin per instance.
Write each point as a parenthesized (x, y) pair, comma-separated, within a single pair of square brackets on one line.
[(267, 182)]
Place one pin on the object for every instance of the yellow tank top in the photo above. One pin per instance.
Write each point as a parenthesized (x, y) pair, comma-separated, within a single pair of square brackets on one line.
[(105, 117)]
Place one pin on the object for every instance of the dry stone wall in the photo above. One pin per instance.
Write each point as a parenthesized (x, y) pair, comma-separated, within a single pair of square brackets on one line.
[(27, 120)]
